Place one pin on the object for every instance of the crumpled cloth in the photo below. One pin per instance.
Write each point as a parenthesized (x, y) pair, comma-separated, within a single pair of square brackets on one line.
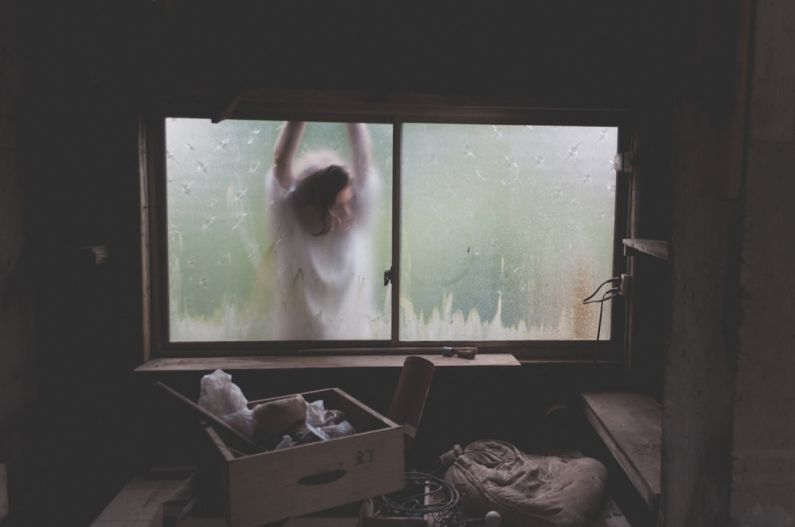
[(529, 491)]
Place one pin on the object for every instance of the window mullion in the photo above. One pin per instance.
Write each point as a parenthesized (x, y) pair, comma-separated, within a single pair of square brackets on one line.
[(396, 210)]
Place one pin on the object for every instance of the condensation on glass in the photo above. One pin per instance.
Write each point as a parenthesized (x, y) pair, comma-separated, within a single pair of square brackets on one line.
[(505, 229), (223, 258)]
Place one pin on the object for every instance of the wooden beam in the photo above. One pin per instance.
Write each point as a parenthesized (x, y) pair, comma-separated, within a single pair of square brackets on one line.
[(3, 491)]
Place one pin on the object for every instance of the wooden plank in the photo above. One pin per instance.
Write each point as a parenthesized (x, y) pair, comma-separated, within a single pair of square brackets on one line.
[(318, 362), (630, 425), (122, 523), (139, 501), (239, 439), (656, 248), (3, 491)]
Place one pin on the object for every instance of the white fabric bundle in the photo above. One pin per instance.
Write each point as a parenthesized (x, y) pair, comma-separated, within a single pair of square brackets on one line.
[(528, 491)]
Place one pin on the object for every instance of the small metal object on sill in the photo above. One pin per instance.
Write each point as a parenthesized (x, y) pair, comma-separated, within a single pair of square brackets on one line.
[(464, 353)]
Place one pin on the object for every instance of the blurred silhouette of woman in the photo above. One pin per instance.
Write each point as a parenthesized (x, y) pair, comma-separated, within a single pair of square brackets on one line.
[(319, 215)]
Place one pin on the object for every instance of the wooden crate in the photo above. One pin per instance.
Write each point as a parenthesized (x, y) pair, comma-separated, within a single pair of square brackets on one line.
[(269, 486)]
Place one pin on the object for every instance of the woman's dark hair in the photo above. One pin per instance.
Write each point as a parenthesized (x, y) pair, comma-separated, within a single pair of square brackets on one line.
[(319, 190)]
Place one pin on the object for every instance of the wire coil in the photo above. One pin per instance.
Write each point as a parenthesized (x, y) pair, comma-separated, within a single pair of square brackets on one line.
[(423, 495)]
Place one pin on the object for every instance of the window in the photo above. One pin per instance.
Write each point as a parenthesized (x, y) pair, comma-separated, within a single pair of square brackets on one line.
[(484, 231)]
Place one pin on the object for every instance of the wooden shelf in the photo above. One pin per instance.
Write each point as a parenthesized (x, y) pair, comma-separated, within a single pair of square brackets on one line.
[(630, 425), (316, 362), (656, 248)]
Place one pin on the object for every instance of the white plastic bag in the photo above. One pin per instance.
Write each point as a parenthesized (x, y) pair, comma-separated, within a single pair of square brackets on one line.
[(220, 396), (327, 424)]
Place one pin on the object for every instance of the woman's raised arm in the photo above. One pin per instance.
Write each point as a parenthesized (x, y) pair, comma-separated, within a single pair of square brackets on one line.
[(284, 152)]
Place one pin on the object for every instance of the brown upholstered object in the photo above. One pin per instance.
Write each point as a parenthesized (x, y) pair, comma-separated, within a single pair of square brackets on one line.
[(529, 491), (274, 418)]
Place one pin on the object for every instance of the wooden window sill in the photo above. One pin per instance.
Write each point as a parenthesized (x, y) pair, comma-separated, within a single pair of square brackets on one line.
[(262, 363), (630, 425)]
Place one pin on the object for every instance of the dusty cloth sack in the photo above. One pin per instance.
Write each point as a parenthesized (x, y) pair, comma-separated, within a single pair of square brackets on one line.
[(528, 491)]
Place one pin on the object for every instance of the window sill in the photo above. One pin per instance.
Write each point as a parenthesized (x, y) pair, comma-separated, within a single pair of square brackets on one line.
[(630, 425), (188, 364)]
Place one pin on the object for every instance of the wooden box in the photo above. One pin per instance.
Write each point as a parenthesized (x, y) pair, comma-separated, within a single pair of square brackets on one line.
[(269, 486)]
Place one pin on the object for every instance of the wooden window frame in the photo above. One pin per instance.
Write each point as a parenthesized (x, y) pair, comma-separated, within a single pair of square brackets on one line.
[(345, 108)]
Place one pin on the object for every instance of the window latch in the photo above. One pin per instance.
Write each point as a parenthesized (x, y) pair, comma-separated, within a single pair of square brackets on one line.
[(387, 276)]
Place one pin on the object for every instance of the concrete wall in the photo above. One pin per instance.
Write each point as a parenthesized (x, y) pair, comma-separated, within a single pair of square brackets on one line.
[(764, 417), (729, 414), (709, 106)]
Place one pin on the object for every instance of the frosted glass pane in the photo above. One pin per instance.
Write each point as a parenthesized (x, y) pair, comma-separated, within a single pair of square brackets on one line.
[(505, 230), (232, 271)]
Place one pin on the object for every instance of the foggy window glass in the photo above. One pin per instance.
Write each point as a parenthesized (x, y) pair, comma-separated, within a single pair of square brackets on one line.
[(505, 229), (233, 270)]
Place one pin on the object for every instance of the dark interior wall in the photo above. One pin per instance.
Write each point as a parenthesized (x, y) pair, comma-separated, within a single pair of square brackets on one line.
[(92, 65), (18, 379), (764, 463), (75, 185), (556, 54), (705, 169)]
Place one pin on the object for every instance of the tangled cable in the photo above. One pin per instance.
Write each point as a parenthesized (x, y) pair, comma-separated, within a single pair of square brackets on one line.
[(423, 495)]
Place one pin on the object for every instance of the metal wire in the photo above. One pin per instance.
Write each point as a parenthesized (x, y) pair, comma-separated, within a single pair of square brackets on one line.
[(607, 295), (423, 495)]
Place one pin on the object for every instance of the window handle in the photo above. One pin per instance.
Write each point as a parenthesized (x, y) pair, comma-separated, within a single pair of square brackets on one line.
[(387, 276)]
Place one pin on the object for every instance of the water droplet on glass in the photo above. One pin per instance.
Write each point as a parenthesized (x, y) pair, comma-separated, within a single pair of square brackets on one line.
[(539, 159), (587, 178), (468, 151), (208, 223), (186, 187), (239, 221), (575, 150), (223, 144), (202, 167), (240, 194)]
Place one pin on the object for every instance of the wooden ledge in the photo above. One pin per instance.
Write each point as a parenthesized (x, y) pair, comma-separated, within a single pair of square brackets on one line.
[(630, 425), (656, 248), (315, 362)]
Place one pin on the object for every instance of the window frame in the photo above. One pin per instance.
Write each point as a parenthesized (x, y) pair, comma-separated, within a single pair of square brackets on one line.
[(152, 154)]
